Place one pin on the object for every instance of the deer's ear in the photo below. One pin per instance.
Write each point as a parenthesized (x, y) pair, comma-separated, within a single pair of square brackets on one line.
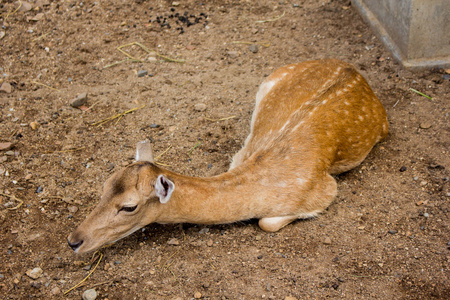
[(164, 188), (144, 151)]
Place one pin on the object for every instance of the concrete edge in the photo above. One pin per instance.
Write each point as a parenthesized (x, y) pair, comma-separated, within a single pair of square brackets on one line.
[(381, 33)]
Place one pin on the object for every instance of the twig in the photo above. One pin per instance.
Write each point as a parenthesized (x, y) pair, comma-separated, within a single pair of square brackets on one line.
[(92, 106), (40, 37), (116, 116), (162, 153), (14, 198), (264, 44), (272, 20), (38, 83), (119, 62), (421, 94), (10, 14), (222, 119), (181, 61), (193, 148), (90, 273), (396, 103)]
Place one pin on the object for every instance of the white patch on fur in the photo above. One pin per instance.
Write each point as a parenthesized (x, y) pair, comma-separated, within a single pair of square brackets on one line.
[(308, 215)]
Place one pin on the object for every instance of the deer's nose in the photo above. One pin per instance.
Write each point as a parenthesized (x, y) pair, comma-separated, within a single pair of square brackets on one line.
[(76, 245)]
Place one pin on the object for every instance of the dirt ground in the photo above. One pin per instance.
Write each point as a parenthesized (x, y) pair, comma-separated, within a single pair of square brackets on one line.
[(386, 236)]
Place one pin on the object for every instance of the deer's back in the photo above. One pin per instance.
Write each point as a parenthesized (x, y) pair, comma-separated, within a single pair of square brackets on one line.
[(323, 111)]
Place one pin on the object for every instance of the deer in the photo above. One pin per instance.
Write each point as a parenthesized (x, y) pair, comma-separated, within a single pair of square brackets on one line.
[(312, 120)]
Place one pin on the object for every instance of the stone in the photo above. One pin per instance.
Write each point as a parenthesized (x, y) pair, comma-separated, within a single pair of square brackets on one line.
[(5, 146), (197, 295), (34, 125), (34, 273), (6, 87), (425, 125), (327, 241), (55, 291), (253, 48), (233, 54), (79, 100), (73, 209), (142, 73), (90, 294), (174, 242), (200, 107)]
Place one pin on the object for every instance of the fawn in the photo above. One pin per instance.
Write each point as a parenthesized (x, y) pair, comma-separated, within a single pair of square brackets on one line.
[(311, 120)]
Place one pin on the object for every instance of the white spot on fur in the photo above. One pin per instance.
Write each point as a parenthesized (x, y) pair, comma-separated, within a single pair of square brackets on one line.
[(300, 181)]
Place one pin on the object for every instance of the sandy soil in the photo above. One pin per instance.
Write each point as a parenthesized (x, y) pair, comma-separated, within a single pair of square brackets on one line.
[(386, 235)]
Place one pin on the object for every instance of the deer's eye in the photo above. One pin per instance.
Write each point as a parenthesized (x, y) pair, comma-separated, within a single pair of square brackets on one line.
[(128, 208)]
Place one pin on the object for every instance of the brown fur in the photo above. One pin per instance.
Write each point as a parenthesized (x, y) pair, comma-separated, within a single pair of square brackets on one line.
[(311, 120)]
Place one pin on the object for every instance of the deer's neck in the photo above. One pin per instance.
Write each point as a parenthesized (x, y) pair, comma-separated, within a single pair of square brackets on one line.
[(239, 194)]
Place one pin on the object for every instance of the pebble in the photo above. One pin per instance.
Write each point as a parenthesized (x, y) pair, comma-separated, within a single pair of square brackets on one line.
[(290, 298), (6, 87), (446, 76), (142, 73), (90, 294), (258, 237), (154, 126), (392, 231), (6, 146), (200, 107), (173, 241), (73, 209), (327, 241), (79, 100), (9, 153), (39, 189), (34, 273), (197, 295), (426, 215), (424, 125), (209, 243), (34, 125), (204, 230), (55, 291), (402, 169), (253, 48), (233, 54)]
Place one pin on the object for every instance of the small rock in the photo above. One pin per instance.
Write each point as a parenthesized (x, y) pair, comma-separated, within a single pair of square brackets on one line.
[(2, 34), (34, 125), (174, 242), (233, 54), (402, 169), (40, 189), (418, 203), (5, 146), (9, 153), (426, 215), (55, 291), (327, 241), (6, 87), (290, 298), (424, 125), (200, 107), (142, 73), (37, 17), (34, 273), (154, 126), (73, 209), (175, 3), (80, 100), (24, 6), (258, 237), (204, 230), (90, 294), (446, 76), (392, 231), (197, 295), (253, 48), (209, 243)]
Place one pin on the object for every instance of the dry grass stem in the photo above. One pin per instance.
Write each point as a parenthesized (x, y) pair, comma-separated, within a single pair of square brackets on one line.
[(130, 57), (47, 86), (99, 123), (272, 20), (222, 119), (13, 198), (85, 278)]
